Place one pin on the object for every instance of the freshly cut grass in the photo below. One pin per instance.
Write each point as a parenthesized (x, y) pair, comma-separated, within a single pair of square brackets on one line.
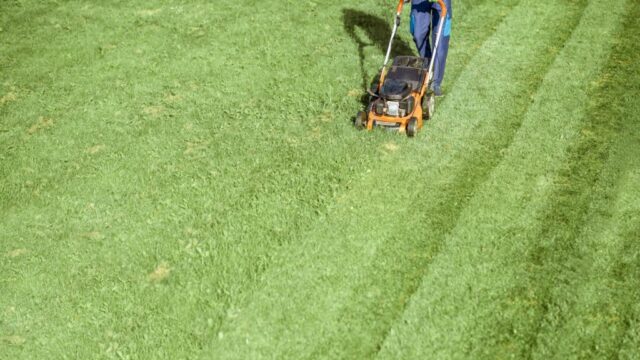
[(479, 299), (593, 312)]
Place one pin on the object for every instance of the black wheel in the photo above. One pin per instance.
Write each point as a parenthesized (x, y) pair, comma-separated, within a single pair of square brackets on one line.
[(428, 105), (361, 120), (412, 127)]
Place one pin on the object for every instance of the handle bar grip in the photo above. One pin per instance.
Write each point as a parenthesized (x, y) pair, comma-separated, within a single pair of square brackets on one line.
[(443, 6), (400, 6)]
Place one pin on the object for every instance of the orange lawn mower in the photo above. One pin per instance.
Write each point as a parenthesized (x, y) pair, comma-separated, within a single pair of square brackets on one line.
[(402, 98)]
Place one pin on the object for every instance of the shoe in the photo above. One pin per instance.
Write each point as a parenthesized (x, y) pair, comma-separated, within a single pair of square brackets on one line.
[(437, 91)]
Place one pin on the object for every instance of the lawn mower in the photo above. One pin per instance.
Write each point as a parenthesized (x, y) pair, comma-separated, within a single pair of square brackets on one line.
[(402, 99)]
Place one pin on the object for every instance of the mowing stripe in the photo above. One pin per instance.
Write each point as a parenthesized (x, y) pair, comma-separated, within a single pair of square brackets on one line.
[(593, 309), (400, 263), (589, 309), (314, 279), (473, 23), (464, 307)]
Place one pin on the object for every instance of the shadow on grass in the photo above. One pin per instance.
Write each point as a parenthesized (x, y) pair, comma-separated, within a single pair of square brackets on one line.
[(378, 32)]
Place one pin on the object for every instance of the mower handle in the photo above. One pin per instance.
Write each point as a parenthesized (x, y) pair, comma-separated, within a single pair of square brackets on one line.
[(443, 6), (443, 14)]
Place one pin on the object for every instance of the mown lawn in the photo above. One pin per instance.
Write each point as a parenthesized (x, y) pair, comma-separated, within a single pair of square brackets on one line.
[(180, 179)]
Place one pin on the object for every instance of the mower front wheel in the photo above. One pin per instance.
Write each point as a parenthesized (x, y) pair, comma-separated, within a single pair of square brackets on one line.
[(361, 120), (412, 127)]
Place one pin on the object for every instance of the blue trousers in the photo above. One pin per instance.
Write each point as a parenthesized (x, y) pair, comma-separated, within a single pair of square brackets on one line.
[(425, 19)]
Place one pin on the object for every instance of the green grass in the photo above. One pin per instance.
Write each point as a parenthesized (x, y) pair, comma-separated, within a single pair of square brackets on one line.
[(181, 180)]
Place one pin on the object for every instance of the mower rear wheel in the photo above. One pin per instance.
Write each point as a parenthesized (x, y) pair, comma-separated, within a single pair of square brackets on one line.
[(428, 105), (412, 127), (361, 120)]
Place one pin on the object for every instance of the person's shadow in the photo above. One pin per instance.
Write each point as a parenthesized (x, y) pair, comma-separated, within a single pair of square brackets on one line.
[(378, 32)]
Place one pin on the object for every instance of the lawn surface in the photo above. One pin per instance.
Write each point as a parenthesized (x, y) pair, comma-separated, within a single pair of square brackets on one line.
[(180, 180)]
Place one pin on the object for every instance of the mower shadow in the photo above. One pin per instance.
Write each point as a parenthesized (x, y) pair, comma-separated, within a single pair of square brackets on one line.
[(378, 32)]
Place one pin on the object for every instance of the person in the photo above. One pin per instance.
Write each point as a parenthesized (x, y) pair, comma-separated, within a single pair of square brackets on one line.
[(425, 19)]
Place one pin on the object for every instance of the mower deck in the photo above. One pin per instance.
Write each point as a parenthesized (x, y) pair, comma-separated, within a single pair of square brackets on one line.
[(397, 103)]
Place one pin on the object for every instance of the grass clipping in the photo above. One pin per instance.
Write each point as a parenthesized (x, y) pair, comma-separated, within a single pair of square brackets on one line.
[(160, 274)]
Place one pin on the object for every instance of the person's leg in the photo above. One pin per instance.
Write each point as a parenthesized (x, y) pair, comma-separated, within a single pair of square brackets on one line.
[(420, 26), (443, 46)]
